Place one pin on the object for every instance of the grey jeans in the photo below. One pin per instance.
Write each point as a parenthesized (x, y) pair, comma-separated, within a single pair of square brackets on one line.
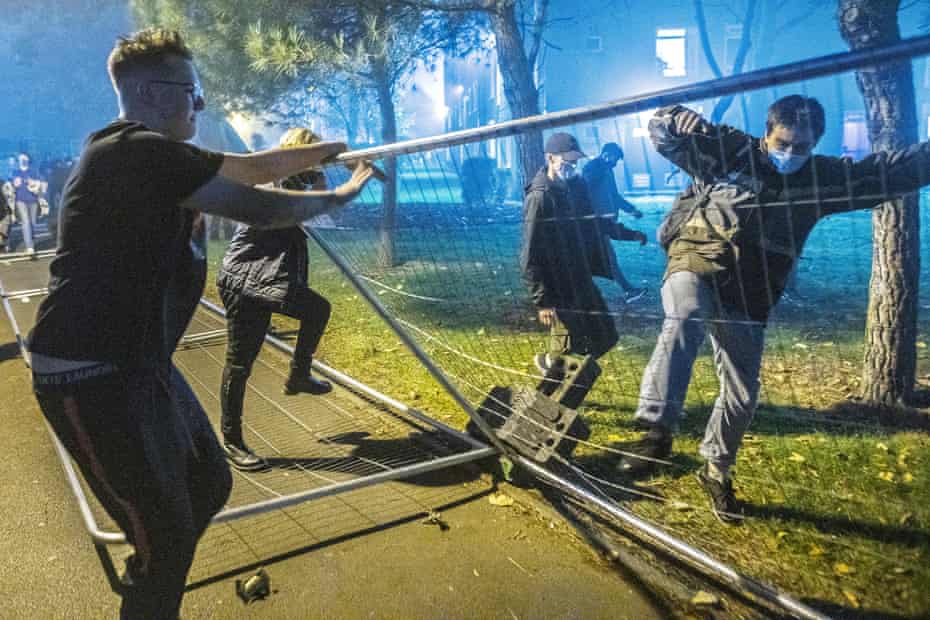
[(691, 310), (26, 216)]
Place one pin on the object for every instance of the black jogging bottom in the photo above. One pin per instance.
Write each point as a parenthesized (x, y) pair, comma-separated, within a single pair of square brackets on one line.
[(147, 450)]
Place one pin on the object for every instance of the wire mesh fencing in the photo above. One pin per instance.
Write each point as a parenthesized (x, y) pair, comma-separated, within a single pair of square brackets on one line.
[(446, 264)]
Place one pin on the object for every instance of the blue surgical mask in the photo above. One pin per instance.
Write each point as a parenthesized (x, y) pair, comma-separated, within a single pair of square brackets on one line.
[(786, 163)]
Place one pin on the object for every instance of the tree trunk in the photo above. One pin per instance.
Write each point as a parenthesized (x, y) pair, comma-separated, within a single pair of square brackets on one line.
[(386, 254), (891, 328), (519, 85)]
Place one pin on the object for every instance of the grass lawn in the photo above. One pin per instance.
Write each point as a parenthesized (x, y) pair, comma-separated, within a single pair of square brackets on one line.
[(839, 504)]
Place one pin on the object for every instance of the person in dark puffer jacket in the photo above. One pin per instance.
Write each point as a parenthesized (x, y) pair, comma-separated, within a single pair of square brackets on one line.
[(265, 272)]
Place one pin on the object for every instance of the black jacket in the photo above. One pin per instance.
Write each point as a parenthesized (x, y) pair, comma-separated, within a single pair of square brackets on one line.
[(774, 213), (603, 189), (562, 242), (269, 265)]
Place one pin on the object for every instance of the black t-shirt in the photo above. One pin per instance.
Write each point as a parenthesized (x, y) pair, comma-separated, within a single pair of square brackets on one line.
[(122, 237)]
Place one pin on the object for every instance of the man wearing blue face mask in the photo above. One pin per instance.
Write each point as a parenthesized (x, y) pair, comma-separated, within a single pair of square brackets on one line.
[(563, 250), (732, 239)]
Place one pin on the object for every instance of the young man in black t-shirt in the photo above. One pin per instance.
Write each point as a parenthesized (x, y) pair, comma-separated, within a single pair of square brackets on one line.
[(101, 348)]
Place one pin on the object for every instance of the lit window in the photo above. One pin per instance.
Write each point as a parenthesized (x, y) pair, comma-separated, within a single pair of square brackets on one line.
[(642, 180), (670, 51)]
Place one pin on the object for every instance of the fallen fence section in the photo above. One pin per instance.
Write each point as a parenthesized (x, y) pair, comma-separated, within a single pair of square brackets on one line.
[(346, 467)]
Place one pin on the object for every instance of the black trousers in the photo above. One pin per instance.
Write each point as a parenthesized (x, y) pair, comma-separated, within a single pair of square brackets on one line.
[(247, 321), (148, 452)]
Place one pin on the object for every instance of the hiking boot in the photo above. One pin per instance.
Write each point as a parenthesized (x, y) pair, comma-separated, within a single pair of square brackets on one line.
[(543, 362), (307, 384), (241, 457), (642, 456), (634, 294), (723, 502)]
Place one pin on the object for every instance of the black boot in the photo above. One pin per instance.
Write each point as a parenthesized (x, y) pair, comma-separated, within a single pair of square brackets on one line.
[(643, 456), (232, 394), (301, 381)]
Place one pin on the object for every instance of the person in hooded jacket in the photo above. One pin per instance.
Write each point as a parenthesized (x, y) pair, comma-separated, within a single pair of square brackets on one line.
[(265, 272), (563, 250), (732, 239), (598, 173)]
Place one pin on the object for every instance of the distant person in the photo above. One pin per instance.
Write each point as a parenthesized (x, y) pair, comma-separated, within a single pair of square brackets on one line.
[(57, 176), (562, 252), (6, 217), (101, 347), (608, 203), (185, 287), (732, 239), (265, 272), (28, 188)]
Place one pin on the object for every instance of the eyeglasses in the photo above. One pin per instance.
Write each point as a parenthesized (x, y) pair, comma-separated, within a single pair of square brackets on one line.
[(194, 90)]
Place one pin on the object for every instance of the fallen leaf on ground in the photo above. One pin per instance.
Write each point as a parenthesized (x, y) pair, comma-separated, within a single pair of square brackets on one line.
[(841, 569), (797, 458), (853, 598), (704, 598), (500, 499), (887, 476), (815, 550)]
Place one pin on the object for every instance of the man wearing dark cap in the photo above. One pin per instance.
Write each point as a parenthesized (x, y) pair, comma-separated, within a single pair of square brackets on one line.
[(599, 176), (563, 251)]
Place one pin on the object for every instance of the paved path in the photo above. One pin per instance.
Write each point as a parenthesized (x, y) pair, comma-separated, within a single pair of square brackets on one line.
[(362, 555)]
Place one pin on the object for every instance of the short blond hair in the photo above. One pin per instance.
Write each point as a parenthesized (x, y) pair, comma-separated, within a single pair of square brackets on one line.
[(144, 48), (292, 138), (298, 136)]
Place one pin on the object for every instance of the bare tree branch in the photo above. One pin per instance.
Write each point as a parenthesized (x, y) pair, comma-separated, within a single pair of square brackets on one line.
[(705, 38), (539, 24), (745, 43)]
